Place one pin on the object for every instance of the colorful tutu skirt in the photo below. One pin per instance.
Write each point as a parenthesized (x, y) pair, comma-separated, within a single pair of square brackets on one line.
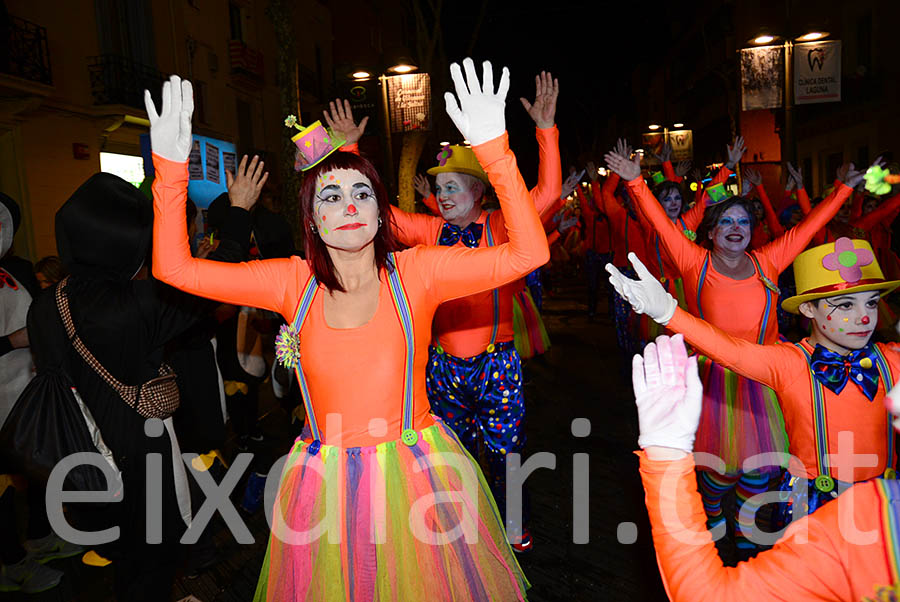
[(740, 419), (530, 335), (387, 522)]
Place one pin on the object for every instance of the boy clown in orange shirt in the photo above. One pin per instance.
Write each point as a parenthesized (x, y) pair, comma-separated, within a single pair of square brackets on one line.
[(832, 382)]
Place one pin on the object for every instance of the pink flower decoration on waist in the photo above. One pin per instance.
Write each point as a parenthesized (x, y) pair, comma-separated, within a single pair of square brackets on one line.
[(446, 153), (847, 260)]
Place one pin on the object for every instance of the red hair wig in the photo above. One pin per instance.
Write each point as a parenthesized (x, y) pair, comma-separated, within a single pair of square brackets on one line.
[(316, 249)]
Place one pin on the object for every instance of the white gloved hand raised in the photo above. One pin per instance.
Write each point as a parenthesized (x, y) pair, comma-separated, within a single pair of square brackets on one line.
[(646, 295), (481, 117), (668, 394), (170, 132)]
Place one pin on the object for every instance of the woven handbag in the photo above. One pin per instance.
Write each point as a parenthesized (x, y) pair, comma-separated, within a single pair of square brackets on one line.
[(156, 398)]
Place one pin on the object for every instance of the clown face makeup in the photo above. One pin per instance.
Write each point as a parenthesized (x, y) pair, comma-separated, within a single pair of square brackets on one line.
[(346, 210), (732, 233), (7, 230), (846, 321), (457, 196), (671, 201)]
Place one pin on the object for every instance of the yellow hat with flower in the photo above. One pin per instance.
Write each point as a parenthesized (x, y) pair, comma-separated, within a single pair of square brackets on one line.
[(458, 159), (844, 266)]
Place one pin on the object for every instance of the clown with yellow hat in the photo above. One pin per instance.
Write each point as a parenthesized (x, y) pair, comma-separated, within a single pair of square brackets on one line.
[(831, 383)]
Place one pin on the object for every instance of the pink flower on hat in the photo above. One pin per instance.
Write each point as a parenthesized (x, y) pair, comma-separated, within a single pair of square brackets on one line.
[(444, 155), (847, 260)]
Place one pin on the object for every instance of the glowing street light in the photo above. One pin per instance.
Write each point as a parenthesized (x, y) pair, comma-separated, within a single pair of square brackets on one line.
[(763, 39), (361, 74), (813, 36), (678, 125), (653, 126)]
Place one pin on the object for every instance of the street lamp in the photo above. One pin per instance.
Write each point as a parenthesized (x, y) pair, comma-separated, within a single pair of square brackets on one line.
[(653, 126), (677, 125)]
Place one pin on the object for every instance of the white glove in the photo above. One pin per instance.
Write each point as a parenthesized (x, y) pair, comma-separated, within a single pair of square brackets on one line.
[(482, 115), (170, 132), (668, 394), (646, 295)]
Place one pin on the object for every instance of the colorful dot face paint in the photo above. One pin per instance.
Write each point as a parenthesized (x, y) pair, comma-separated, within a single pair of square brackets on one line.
[(828, 318), (846, 319), (345, 200)]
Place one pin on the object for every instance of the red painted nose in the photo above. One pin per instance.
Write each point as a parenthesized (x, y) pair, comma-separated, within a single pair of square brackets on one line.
[(865, 320), (351, 208)]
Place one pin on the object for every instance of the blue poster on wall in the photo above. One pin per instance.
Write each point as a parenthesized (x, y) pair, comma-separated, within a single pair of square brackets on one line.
[(207, 162)]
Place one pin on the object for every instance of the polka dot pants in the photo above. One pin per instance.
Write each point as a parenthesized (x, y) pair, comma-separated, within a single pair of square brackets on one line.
[(482, 394)]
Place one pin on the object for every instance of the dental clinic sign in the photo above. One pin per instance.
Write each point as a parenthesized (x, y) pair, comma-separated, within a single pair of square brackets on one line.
[(817, 72)]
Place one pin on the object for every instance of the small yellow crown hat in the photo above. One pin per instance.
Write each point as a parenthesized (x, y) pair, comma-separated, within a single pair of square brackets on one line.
[(844, 266), (458, 159)]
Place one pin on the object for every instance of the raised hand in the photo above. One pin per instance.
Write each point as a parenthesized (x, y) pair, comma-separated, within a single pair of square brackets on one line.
[(682, 168), (697, 174), (340, 120), (479, 113), (422, 185), (592, 171), (668, 394), (735, 152), (746, 187), (170, 130), (245, 185), (543, 111), (623, 148), (665, 154), (571, 182), (853, 177), (795, 177), (646, 295), (752, 176), (628, 169)]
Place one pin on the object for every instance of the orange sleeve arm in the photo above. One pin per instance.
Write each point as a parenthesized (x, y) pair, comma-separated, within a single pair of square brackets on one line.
[(553, 238), (669, 172), (351, 148), (255, 283), (605, 197), (414, 229), (884, 212), (452, 272), (685, 254), (803, 201), (693, 216), (690, 566), (430, 201), (548, 215), (549, 184), (775, 227), (767, 364), (782, 251)]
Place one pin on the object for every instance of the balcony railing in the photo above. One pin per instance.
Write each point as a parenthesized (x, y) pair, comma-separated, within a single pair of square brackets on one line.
[(246, 61), (118, 80), (26, 53)]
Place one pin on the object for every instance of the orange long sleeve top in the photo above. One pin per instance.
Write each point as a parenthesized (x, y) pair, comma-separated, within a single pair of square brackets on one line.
[(463, 326), (597, 228), (784, 369), (877, 227), (736, 306), (770, 228), (627, 233), (830, 232), (661, 264), (356, 374), (827, 566)]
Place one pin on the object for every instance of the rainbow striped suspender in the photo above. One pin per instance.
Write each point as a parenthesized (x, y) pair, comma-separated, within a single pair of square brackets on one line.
[(404, 314), (889, 492), (820, 421)]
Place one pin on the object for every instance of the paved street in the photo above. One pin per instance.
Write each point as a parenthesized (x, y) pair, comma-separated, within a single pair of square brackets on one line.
[(580, 377)]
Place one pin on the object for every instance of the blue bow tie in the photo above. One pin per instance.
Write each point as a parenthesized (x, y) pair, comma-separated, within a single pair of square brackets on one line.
[(470, 235), (834, 370)]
